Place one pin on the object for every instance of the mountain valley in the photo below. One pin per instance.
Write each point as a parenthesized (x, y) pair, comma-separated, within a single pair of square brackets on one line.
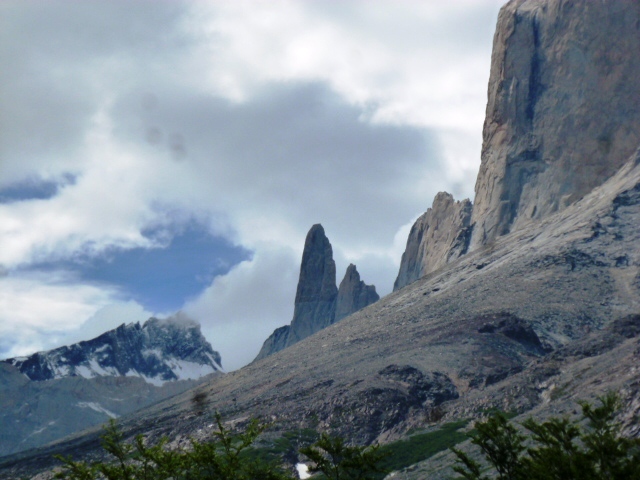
[(527, 300)]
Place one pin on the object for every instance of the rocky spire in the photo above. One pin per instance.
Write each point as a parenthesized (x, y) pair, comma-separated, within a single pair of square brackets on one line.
[(315, 303), (317, 297), (439, 236), (354, 294)]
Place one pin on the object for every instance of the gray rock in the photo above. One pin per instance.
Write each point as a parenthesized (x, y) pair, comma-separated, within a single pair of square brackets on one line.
[(316, 295), (318, 302), (354, 294), (315, 303), (274, 343), (439, 236), (563, 111)]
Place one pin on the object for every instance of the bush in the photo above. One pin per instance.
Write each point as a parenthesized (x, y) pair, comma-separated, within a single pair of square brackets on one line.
[(557, 449), (225, 458)]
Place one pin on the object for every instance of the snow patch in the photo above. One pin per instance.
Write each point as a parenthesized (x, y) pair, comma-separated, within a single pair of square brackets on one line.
[(102, 348), (97, 407), (303, 470), (185, 370), (215, 364)]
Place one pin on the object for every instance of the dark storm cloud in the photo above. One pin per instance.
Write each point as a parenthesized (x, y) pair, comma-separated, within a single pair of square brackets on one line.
[(294, 149)]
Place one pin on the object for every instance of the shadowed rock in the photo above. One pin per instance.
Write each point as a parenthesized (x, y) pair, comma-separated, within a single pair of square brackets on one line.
[(354, 294)]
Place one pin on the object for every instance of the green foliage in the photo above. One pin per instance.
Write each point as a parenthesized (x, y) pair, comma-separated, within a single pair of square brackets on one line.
[(338, 461), (557, 449), (419, 447), (222, 459)]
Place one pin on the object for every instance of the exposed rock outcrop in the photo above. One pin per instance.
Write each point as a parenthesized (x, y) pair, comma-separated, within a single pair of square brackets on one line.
[(318, 301), (354, 294), (439, 236), (563, 112)]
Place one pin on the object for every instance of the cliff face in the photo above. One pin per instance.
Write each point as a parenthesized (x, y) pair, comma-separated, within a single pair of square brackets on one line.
[(439, 236), (563, 111), (354, 294), (318, 301)]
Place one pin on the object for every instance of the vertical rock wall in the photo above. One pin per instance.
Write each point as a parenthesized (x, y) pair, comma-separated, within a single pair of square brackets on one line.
[(354, 294), (563, 110), (318, 301)]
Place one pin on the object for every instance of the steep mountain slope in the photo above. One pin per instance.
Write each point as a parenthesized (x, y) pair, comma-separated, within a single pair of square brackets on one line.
[(450, 345), (563, 112), (49, 395)]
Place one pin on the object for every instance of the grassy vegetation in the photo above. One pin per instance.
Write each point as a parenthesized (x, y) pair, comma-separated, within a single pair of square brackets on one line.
[(419, 447)]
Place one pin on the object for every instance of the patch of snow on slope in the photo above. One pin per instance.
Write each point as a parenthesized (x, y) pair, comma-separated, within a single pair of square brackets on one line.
[(102, 348), (97, 407), (185, 370), (213, 360)]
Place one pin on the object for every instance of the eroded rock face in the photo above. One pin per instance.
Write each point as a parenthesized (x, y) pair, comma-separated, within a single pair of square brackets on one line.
[(354, 294), (563, 111), (439, 236), (276, 342)]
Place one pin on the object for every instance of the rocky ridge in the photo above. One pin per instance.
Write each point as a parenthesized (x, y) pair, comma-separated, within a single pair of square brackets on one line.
[(51, 394), (157, 351), (542, 310), (353, 294), (319, 303), (438, 237)]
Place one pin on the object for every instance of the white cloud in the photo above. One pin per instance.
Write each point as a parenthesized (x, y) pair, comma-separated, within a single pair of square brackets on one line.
[(241, 309), (260, 118)]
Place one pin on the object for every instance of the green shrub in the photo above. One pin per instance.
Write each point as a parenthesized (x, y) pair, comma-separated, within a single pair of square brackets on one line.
[(556, 449)]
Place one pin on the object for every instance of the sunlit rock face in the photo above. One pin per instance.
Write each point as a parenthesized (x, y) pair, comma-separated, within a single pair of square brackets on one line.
[(563, 111), (157, 351), (438, 237)]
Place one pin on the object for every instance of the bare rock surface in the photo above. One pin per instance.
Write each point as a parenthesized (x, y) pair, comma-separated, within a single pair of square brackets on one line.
[(353, 294), (540, 313), (563, 112), (438, 237)]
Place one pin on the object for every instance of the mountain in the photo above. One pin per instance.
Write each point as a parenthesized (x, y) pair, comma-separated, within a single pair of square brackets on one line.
[(319, 303), (563, 111), (543, 309), (157, 351), (49, 395)]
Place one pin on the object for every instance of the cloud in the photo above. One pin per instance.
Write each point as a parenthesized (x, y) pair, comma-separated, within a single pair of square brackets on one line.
[(252, 119), (32, 305), (241, 309)]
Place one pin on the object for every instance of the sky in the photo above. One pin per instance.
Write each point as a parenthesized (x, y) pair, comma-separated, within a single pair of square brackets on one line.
[(164, 156)]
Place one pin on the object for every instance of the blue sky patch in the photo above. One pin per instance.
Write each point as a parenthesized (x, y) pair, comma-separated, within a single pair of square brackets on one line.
[(34, 188), (160, 279)]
